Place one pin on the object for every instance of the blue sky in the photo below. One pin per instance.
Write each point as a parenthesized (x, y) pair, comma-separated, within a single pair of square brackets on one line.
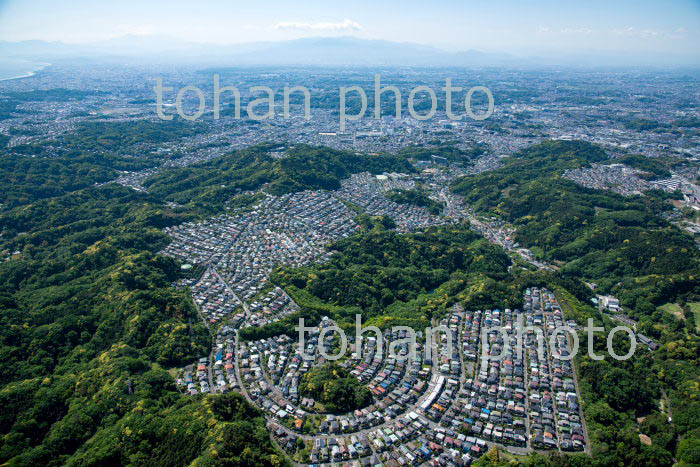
[(520, 27)]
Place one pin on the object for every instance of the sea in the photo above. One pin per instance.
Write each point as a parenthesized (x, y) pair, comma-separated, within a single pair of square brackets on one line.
[(14, 68)]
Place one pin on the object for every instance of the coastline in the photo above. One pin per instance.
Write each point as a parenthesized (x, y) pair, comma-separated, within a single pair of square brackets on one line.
[(27, 74)]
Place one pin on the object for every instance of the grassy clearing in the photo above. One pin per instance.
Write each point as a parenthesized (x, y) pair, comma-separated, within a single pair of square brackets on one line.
[(573, 308), (672, 308), (695, 309)]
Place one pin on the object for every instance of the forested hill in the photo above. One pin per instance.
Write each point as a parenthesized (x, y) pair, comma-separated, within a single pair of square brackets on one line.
[(622, 244), (94, 152), (416, 197), (89, 321), (301, 168), (89, 325)]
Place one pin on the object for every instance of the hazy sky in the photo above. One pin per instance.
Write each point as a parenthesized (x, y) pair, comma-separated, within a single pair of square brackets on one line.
[(634, 26)]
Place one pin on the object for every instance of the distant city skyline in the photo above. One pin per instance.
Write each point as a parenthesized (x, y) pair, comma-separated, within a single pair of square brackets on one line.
[(548, 27)]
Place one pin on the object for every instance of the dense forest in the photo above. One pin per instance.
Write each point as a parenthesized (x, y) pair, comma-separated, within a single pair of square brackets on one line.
[(335, 388), (90, 325), (447, 149), (27, 179), (127, 145), (416, 197), (621, 244), (94, 153), (304, 167)]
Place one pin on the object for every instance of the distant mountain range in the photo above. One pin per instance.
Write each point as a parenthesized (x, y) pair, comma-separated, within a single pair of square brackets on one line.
[(326, 51), (353, 51), (330, 51)]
